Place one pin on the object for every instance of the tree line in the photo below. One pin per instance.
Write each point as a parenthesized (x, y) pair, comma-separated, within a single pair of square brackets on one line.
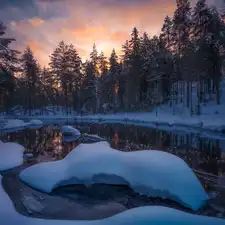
[(182, 65)]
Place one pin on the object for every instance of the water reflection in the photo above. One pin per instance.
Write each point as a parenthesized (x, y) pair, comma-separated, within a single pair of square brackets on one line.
[(46, 143)]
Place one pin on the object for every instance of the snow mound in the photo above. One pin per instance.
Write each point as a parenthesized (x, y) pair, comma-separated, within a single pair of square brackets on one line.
[(154, 173), (35, 124), (94, 137), (11, 155), (70, 138), (154, 215), (70, 131), (15, 124)]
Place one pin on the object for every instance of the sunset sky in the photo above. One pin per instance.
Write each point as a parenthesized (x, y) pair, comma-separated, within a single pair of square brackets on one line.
[(41, 24)]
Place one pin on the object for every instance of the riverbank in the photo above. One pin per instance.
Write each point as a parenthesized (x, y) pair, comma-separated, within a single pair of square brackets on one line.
[(212, 126)]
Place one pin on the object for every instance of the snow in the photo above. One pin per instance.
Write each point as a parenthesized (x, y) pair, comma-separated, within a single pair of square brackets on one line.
[(28, 155), (70, 138), (48, 110), (35, 124), (212, 117), (95, 136), (70, 131), (154, 173), (11, 155), (16, 124), (154, 215), (210, 124)]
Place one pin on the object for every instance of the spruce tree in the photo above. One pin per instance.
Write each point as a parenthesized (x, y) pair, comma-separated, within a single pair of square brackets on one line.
[(30, 72)]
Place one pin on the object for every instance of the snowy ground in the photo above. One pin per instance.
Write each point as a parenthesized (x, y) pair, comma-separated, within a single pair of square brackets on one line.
[(207, 125), (11, 155), (210, 123), (154, 215), (16, 124)]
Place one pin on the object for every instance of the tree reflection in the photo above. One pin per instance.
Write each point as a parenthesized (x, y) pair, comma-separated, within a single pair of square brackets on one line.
[(200, 153)]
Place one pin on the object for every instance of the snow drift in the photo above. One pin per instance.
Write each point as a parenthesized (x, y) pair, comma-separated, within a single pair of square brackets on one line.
[(11, 155), (35, 124), (153, 173), (71, 131), (15, 124)]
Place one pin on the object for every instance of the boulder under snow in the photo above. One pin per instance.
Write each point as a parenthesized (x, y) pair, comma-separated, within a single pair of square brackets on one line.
[(71, 131), (153, 173), (11, 155)]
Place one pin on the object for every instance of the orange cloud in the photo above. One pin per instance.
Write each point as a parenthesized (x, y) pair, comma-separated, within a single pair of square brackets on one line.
[(35, 46), (108, 25), (36, 21), (120, 36)]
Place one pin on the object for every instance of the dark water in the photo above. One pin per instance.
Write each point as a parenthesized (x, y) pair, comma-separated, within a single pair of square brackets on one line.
[(201, 154), (205, 156)]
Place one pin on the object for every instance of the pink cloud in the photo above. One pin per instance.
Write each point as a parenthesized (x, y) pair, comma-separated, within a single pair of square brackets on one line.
[(86, 22)]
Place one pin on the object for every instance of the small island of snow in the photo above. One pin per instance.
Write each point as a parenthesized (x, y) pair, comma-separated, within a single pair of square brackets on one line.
[(11, 155), (153, 173), (70, 131)]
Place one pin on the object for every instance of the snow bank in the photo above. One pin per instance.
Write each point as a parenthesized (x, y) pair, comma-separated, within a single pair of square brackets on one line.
[(154, 215), (153, 173), (15, 124), (94, 137), (70, 131), (11, 155), (35, 124)]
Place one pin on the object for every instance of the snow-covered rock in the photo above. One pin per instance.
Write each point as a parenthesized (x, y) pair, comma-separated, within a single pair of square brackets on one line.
[(35, 124), (15, 124), (28, 155), (70, 138), (93, 137), (153, 173), (32, 204), (11, 155), (70, 131), (154, 215)]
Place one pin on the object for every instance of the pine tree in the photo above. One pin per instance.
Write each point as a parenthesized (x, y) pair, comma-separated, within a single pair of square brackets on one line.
[(89, 95), (167, 33), (66, 68), (145, 46), (166, 37), (103, 64), (8, 57), (112, 78), (94, 59), (207, 33), (181, 26), (30, 72), (58, 63), (181, 39), (9, 64), (133, 86), (74, 76)]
